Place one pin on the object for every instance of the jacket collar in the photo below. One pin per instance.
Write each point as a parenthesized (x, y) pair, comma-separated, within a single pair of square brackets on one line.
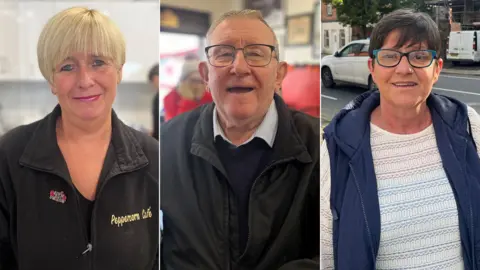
[(42, 151), (287, 142), (351, 126)]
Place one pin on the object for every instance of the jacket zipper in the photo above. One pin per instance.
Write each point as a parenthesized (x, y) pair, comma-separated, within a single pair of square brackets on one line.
[(250, 197), (472, 240), (229, 264), (77, 202), (472, 237), (92, 220), (364, 213), (83, 228), (474, 262), (97, 196), (89, 246)]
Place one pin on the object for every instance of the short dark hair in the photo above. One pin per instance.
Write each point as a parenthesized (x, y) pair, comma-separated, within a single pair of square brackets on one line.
[(414, 27), (153, 72)]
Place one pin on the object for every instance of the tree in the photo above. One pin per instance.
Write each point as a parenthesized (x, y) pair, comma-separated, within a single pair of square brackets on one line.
[(359, 13), (362, 13)]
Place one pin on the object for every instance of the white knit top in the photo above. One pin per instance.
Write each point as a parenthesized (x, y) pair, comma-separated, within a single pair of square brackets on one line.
[(418, 212)]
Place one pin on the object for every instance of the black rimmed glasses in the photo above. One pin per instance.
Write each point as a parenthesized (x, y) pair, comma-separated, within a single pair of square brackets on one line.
[(417, 58), (256, 55)]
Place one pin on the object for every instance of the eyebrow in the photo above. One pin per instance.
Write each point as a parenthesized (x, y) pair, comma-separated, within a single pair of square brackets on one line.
[(70, 58), (410, 45)]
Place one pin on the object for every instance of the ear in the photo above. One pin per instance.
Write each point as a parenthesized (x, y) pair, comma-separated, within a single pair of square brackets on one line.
[(370, 65), (437, 69), (54, 92), (52, 88), (203, 69), (371, 68), (120, 74), (282, 70)]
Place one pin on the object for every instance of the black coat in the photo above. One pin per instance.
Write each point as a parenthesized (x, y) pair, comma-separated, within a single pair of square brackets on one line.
[(199, 209), (41, 232)]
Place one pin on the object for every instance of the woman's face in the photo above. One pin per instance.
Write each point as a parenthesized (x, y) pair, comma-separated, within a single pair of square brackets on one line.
[(86, 85), (404, 86), (196, 83)]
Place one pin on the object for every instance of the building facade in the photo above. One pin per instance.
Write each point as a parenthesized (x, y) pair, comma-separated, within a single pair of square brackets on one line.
[(334, 34)]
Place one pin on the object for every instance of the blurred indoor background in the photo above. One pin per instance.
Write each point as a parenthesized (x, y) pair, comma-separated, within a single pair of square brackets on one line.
[(184, 24)]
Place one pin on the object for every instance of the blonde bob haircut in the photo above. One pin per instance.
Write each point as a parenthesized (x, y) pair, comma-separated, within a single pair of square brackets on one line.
[(82, 30)]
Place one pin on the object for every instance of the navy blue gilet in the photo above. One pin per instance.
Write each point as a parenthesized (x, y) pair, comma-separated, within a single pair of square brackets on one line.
[(354, 198)]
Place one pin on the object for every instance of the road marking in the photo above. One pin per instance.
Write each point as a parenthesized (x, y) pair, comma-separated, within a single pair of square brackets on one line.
[(468, 78), (329, 97), (457, 91)]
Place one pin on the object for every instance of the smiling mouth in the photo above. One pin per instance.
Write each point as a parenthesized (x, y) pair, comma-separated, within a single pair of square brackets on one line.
[(88, 98), (239, 89), (405, 84)]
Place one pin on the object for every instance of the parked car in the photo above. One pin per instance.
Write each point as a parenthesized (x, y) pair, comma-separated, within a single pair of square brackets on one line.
[(348, 65), (463, 47)]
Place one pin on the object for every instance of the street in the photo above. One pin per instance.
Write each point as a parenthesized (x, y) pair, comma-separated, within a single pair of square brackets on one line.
[(463, 88)]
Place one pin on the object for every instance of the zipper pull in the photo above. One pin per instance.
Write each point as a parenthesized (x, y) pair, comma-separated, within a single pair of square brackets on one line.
[(89, 248)]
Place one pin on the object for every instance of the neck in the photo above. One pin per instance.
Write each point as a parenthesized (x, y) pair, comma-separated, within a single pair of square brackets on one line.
[(402, 120), (239, 132), (73, 129)]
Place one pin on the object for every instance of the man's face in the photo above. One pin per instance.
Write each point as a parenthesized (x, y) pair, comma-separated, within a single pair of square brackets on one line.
[(241, 106), (404, 86)]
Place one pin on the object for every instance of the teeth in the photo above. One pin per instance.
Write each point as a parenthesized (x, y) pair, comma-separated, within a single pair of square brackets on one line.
[(241, 89), (404, 84)]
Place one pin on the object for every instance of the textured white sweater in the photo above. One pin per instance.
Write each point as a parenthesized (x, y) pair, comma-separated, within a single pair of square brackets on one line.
[(418, 212)]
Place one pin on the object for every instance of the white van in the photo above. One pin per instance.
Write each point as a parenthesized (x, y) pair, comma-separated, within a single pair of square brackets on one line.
[(463, 47)]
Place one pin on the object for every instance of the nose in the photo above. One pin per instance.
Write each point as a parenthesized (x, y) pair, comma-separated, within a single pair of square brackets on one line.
[(240, 66), (404, 66), (85, 79)]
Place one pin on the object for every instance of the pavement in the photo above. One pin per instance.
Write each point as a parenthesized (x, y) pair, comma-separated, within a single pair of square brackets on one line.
[(464, 88)]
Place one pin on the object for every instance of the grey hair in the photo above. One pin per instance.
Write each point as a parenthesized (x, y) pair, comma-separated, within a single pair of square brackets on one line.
[(245, 13)]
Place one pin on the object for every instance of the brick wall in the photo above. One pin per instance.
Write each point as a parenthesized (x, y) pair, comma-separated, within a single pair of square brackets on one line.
[(325, 16)]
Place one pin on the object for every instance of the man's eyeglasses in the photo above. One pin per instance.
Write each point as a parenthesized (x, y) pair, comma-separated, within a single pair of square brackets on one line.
[(256, 55), (417, 58)]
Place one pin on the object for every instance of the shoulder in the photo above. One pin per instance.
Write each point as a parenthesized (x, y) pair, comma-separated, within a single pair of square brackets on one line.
[(207, 97), (474, 119), (148, 144), (308, 127), (180, 129), (172, 96), (473, 116)]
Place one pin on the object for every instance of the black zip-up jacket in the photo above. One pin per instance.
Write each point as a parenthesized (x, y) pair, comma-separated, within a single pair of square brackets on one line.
[(199, 211), (40, 220)]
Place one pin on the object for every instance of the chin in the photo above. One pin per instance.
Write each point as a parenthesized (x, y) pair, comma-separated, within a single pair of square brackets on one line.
[(241, 114), (91, 113), (407, 102)]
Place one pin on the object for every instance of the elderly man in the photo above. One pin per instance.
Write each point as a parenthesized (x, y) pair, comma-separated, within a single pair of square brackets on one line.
[(240, 177)]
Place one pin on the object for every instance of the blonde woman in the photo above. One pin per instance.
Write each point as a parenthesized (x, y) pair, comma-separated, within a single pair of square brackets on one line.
[(79, 189)]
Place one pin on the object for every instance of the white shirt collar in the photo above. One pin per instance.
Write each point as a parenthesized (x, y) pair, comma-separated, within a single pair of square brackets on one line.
[(267, 130)]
